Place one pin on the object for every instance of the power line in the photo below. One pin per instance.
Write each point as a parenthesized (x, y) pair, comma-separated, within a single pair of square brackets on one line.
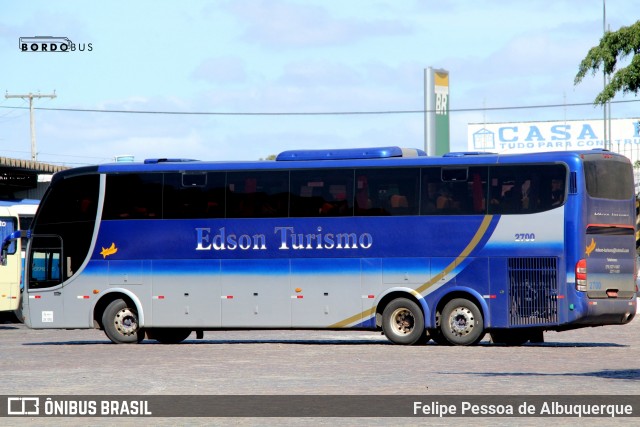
[(312, 113)]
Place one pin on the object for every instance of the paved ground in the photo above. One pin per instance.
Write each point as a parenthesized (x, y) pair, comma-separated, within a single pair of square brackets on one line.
[(603, 360)]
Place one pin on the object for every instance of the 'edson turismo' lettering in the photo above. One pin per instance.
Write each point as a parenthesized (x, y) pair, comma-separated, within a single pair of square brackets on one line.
[(228, 241), (286, 238)]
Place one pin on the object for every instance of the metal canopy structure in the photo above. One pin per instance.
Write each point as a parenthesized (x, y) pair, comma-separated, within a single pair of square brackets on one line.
[(19, 175), (30, 166)]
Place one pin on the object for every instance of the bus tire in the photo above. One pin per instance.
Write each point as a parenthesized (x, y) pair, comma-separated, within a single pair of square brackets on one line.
[(168, 335), (462, 322), (403, 322), (120, 323)]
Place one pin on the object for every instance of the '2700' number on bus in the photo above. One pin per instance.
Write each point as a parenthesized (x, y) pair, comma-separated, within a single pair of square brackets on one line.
[(525, 237)]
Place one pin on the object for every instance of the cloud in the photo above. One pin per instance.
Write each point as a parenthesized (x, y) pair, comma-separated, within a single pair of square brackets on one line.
[(286, 24), (322, 86), (221, 70), (315, 73), (44, 23)]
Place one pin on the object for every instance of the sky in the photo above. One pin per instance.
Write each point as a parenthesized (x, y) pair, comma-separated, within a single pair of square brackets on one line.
[(245, 75)]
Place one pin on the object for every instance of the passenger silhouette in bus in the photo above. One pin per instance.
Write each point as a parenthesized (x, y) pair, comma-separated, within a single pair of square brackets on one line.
[(445, 201), (430, 199), (335, 202), (557, 192)]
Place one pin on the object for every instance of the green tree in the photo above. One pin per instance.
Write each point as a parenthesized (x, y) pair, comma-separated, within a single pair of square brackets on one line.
[(613, 47)]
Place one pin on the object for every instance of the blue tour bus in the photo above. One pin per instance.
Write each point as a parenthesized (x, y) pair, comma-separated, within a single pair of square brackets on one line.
[(444, 248)]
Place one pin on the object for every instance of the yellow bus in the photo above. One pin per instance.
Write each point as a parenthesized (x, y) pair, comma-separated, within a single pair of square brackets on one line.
[(11, 274)]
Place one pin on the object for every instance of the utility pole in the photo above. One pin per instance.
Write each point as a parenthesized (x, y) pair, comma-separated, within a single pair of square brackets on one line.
[(30, 96)]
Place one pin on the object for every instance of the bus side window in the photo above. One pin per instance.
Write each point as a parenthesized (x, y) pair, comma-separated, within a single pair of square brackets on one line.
[(133, 196), (382, 192), (336, 202), (307, 200), (326, 192), (522, 189), (430, 190), (478, 190), (193, 195), (557, 192), (444, 199), (453, 191), (256, 194)]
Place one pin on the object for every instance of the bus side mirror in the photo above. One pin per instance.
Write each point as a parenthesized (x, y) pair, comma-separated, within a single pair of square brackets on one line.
[(7, 242)]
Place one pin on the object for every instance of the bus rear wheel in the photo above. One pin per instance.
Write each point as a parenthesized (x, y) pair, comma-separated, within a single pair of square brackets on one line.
[(120, 322), (403, 322), (462, 322), (168, 335)]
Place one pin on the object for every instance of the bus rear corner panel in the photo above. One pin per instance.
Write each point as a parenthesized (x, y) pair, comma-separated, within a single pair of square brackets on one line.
[(611, 311)]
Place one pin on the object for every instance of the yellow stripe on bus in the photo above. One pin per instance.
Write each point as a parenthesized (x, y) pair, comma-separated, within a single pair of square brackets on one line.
[(420, 289)]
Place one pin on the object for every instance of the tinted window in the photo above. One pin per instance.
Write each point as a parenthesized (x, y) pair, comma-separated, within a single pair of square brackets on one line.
[(67, 217), (194, 195), (522, 189), (387, 191), (325, 192), (258, 194), (457, 191), (608, 179), (133, 196)]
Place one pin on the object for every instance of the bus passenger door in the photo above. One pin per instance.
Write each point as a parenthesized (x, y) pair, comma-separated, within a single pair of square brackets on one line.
[(42, 296)]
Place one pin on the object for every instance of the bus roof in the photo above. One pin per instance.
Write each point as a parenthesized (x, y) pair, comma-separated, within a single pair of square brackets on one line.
[(21, 206), (341, 158), (350, 154)]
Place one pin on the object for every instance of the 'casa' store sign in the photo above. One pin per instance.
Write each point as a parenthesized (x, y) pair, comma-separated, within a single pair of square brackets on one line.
[(526, 137)]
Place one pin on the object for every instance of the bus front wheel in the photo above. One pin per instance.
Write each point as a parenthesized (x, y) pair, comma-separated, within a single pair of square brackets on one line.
[(462, 322), (403, 322), (120, 322)]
